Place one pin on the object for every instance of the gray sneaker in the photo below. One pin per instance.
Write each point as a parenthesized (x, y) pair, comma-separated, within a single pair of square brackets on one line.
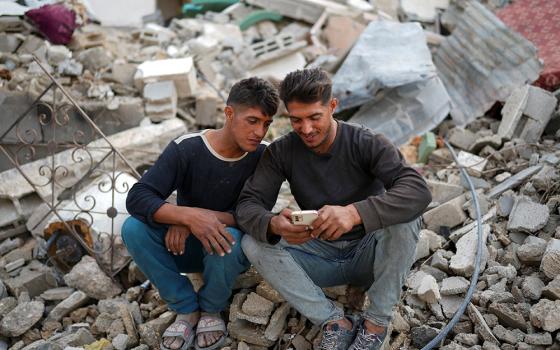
[(367, 341), (337, 338)]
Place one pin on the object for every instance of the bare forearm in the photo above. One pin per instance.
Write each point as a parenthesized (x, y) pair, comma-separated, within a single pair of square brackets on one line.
[(178, 215)]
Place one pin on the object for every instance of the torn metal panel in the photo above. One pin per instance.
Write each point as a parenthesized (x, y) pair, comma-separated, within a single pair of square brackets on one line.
[(387, 55), (482, 62), (407, 110), (389, 71)]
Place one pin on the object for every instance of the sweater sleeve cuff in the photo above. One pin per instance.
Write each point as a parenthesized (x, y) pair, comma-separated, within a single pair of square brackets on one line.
[(150, 215), (370, 218), (263, 230)]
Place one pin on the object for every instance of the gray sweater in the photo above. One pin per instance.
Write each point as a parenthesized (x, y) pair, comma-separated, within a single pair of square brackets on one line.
[(361, 168)]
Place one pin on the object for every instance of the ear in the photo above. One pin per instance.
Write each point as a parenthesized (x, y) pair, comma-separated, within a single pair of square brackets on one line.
[(333, 104), (229, 113)]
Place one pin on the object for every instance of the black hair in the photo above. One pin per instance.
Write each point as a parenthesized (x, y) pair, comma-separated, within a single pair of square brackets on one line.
[(306, 86), (254, 92)]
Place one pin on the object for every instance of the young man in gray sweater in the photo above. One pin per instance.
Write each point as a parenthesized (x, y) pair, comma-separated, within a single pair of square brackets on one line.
[(369, 203)]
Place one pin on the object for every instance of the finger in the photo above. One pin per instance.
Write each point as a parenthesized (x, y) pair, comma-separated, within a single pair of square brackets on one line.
[(216, 246), (320, 230), (207, 246), (223, 243), (182, 240), (225, 233), (175, 243), (287, 213), (167, 244), (329, 233)]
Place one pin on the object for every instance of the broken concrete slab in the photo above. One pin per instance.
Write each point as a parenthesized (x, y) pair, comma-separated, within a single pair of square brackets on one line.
[(95, 58), (449, 214), (546, 315), (88, 277), (532, 250), (550, 263), (461, 138), (454, 285), (277, 322), (463, 262), (514, 181), (443, 191), (508, 316), (552, 289), (21, 318), (428, 290), (256, 305), (71, 303), (526, 113), (161, 100), (481, 326), (55, 294), (527, 216), (245, 331), (207, 108), (450, 304), (473, 164), (266, 291), (179, 70)]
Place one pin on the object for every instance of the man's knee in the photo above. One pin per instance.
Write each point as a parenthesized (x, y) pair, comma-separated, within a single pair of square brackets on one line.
[(134, 232)]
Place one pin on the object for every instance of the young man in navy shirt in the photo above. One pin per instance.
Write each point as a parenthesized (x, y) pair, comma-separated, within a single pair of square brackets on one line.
[(208, 170)]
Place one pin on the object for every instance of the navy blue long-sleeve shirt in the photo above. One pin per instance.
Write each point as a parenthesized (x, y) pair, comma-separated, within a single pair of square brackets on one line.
[(202, 178)]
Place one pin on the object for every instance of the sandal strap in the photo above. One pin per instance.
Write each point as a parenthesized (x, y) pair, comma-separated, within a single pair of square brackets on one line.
[(210, 324), (181, 329)]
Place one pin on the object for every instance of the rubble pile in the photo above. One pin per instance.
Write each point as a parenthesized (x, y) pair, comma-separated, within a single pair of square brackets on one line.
[(145, 86)]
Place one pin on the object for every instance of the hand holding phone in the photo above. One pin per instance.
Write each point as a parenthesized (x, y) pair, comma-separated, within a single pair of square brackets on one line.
[(304, 217)]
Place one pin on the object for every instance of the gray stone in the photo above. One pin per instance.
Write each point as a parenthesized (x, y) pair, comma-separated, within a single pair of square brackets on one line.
[(60, 293), (400, 324), (120, 342), (88, 277), (550, 263), (31, 281), (450, 304), (518, 237), (449, 214), (277, 322), (74, 301), (505, 204), (494, 141), (532, 250), (422, 247), (544, 179), (247, 332), (538, 339), (490, 346), (509, 272), (266, 291), (151, 331), (95, 58), (422, 335), (552, 289), (428, 290), (467, 339), (506, 335), (439, 261), (436, 273), (454, 285), (480, 325), (123, 73), (21, 318), (461, 138), (255, 305), (7, 304), (79, 338), (546, 315), (9, 42), (70, 68), (526, 113), (14, 265), (532, 287), (443, 191), (507, 315), (463, 262), (57, 53), (527, 216)]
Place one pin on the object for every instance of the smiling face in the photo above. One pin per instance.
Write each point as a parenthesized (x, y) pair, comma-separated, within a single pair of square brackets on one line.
[(314, 123), (248, 126)]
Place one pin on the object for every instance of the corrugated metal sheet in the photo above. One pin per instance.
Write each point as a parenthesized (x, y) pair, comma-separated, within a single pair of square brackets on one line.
[(482, 62)]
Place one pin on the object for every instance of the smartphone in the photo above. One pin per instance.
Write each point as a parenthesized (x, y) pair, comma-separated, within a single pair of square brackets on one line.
[(304, 217)]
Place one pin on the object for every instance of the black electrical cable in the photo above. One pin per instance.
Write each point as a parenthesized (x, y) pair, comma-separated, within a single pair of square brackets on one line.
[(474, 280)]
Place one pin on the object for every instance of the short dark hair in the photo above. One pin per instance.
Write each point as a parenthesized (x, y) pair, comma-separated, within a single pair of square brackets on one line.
[(306, 86), (254, 92)]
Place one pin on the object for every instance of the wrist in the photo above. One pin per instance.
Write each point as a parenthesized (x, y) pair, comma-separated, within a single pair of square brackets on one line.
[(356, 218), (186, 216), (272, 225)]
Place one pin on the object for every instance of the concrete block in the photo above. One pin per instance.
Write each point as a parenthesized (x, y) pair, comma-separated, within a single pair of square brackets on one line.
[(277, 322), (550, 263), (449, 214), (206, 112), (463, 262), (71, 303), (270, 50), (474, 165), (256, 305), (32, 282), (443, 191), (179, 70), (428, 290), (527, 216), (546, 315), (532, 250), (161, 100), (454, 285), (461, 138), (526, 113)]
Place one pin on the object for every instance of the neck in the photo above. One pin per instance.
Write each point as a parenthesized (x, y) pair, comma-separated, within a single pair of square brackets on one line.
[(329, 140), (223, 143)]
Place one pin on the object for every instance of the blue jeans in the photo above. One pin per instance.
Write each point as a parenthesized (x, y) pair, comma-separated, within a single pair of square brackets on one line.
[(146, 245), (379, 262)]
